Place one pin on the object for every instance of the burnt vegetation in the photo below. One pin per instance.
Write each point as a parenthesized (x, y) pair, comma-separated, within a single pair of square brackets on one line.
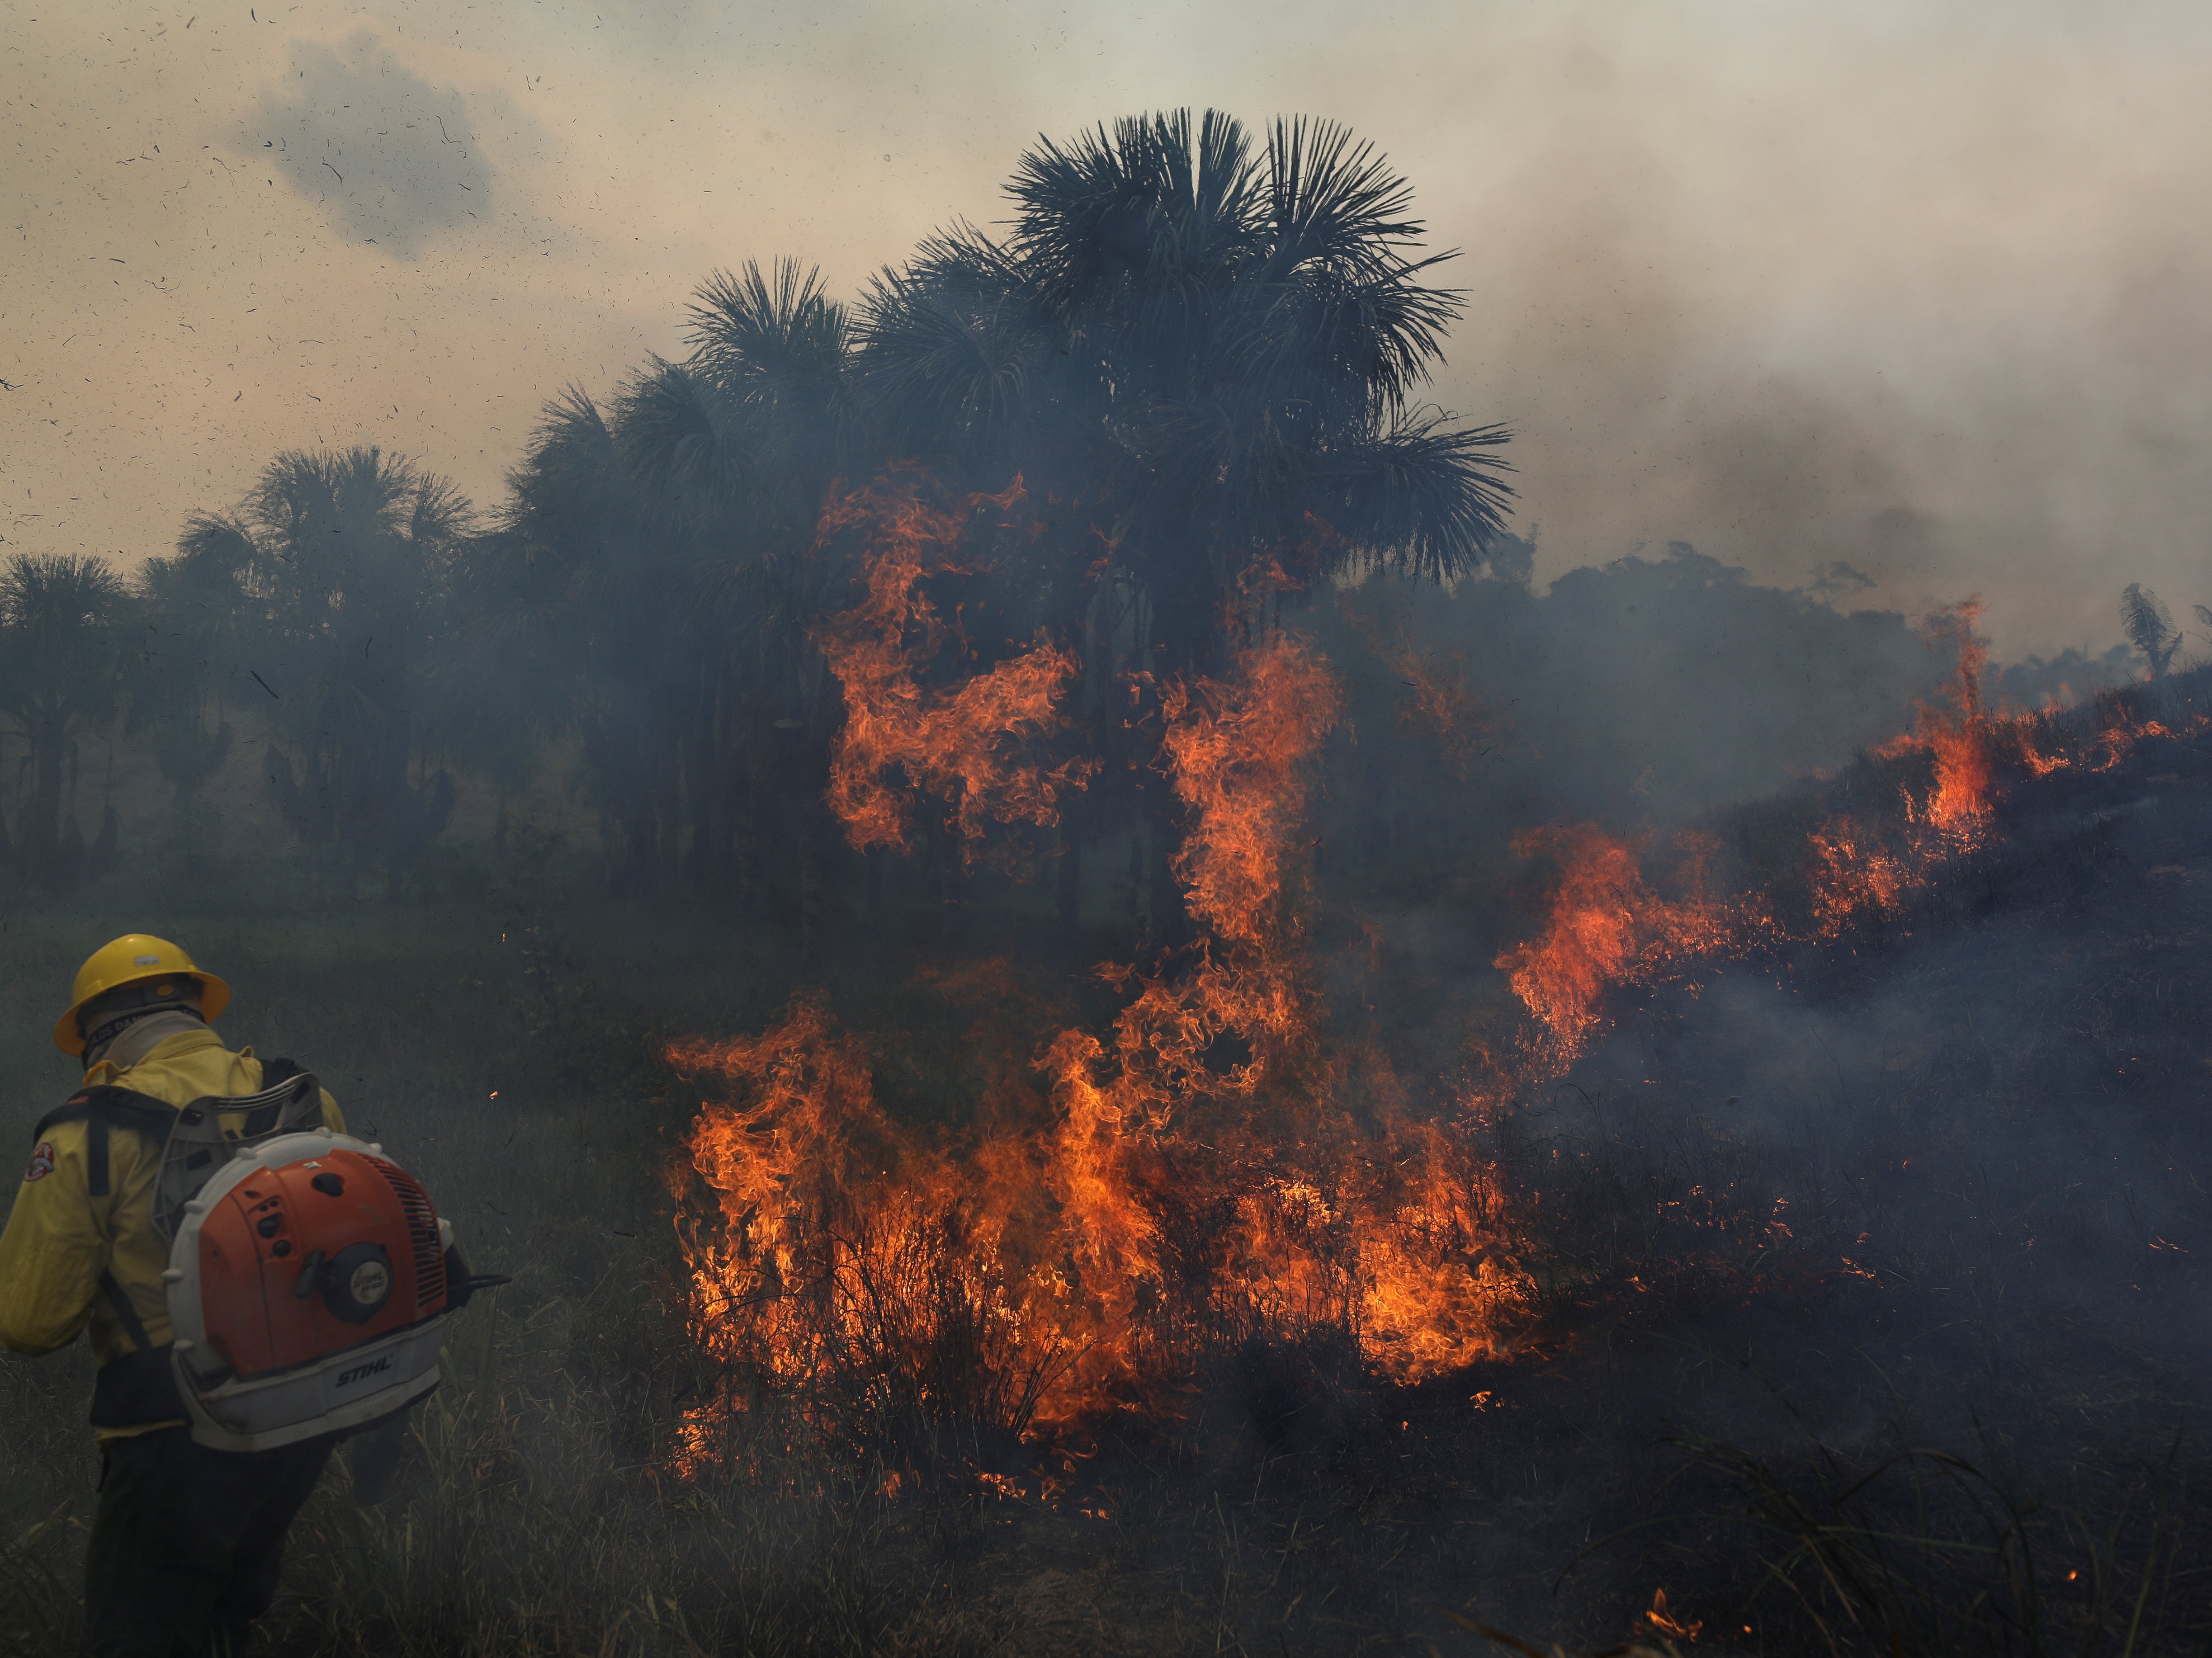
[(1650, 1112)]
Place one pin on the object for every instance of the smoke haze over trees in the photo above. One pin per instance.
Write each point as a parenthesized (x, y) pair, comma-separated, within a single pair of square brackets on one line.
[(1201, 355), (1060, 759), (1725, 294)]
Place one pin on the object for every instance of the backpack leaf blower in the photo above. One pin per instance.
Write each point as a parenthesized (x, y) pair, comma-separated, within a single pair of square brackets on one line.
[(309, 1275)]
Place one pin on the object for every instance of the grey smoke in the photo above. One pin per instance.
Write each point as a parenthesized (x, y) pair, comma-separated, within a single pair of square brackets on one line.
[(388, 156)]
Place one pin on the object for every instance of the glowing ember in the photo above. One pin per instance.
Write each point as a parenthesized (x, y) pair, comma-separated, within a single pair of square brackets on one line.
[(1850, 878)]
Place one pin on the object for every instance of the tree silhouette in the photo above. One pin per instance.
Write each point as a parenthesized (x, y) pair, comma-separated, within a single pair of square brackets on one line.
[(191, 634), (659, 550), (1203, 349), (1218, 348), (1209, 353), (62, 671), (2149, 626), (352, 556)]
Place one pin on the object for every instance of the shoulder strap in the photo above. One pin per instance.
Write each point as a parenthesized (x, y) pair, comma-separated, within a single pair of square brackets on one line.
[(103, 1107), (289, 1099), (198, 1144), (119, 1299)]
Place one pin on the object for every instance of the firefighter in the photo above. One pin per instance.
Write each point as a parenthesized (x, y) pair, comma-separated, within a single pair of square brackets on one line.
[(187, 1542)]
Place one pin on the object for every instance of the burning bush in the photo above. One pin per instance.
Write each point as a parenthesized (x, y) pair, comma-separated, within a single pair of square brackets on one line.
[(1208, 1174)]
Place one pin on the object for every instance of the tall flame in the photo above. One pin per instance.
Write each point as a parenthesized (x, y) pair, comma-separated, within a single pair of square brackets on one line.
[(1213, 1164), (967, 745), (1123, 1201)]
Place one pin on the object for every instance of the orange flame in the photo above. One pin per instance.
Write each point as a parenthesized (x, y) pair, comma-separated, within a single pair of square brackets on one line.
[(968, 745), (1606, 929), (1850, 877), (1125, 1204), (1234, 753), (1438, 702), (1659, 1621), (1210, 1166)]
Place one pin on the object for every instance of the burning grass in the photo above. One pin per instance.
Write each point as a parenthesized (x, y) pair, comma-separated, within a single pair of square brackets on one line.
[(1126, 1208), (1857, 858), (1224, 1165), (1294, 1498)]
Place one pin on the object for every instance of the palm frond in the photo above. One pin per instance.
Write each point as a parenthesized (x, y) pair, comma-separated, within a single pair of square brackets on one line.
[(214, 546), (305, 497), (1341, 283), (1149, 196), (1225, 340), (1333, 201), (59, 656), (1421, 498), (952, 346), (692, 450), (438, 513), (571, 470), (56, 592), (2149, 626), (774, 336)]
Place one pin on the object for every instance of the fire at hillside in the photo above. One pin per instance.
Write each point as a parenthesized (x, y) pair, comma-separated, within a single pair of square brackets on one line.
[(1862, 870)]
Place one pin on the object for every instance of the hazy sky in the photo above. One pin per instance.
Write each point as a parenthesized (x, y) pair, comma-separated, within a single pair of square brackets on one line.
[(1920, 286)]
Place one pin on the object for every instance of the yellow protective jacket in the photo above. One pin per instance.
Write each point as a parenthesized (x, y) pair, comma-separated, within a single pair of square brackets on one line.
[(60, 1238)]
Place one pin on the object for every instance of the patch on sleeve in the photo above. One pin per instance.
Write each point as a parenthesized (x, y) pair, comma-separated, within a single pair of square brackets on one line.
[(42, 1162)]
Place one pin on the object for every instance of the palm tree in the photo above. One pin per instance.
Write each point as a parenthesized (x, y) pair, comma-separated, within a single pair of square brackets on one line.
[(1215, 352), (657, 552), (2149, 626), (191, 629), (351, 559), (569, 604), (1221, 347), (62, 663)]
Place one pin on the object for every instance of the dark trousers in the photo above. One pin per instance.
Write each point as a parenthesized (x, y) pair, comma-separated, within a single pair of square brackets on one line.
[(185, 1549)]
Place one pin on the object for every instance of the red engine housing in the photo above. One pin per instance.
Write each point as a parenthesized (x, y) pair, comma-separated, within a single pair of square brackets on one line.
[(299, 1261)]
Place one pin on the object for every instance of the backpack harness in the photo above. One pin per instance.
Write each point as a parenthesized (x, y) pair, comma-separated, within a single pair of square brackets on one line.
[(309, 1275)]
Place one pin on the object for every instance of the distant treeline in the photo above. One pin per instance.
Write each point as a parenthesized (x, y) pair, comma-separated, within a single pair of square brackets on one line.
[(1200, 353)]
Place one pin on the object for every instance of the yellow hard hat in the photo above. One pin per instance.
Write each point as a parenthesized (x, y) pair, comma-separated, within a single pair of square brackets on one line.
[(134, 958)]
